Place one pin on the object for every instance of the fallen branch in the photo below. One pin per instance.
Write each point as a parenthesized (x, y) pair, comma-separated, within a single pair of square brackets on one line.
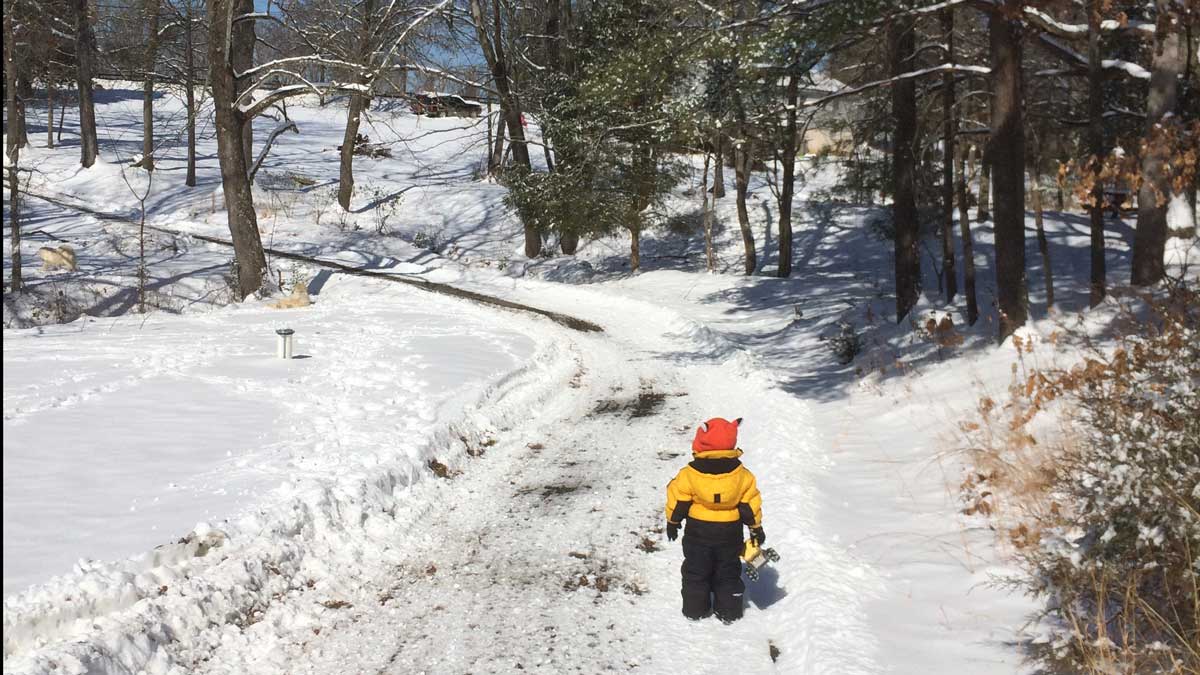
[(422, 284)]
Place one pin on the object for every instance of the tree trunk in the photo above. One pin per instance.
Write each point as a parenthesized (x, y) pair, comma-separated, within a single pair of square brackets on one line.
[(709, 256), (635, 249), (251, 262), (12, 148), (150, 14), (983, 210), (789, 178), (568, 242), (189, 83), (1043, 244), (904, 204), (18, 132), (1098, 284), (496, 163), (1150, 239), (85, 65), (14, 215), (949, 130), (358, 103), (346, 172), (719, 166), (743, 154), (968, 255), (241, 54), (1006, 153), (49, 114)]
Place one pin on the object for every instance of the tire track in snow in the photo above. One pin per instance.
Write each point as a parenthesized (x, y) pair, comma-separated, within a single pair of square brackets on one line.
[(530, 560)]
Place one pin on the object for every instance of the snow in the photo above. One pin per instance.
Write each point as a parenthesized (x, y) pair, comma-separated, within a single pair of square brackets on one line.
[(241, 422), (286, 516)]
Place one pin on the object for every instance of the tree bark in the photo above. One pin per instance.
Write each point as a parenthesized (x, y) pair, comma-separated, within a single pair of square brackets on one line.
[(1043, 244), (13, 149), (496, 162), (241, 54), (743, 159), (1150, 238), (709, 255), (358, 103), (1098, 283), (150, 14), (18, 132), (983, 210), (719, 166), (189, 83), (1006, 153), (904, 206), (787, 189), (635, 248), (968, 255), (14, 216), (251, 262), (49, 114), (85, 65), (949, 130), (346, 169)]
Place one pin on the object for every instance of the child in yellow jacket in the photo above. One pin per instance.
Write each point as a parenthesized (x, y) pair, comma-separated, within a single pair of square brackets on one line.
[(717, 496)]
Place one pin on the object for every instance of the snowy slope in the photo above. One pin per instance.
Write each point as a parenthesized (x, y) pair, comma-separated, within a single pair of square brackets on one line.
[(84, 413)]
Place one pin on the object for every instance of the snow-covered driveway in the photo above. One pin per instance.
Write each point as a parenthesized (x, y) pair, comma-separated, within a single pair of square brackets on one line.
[(546, 554)]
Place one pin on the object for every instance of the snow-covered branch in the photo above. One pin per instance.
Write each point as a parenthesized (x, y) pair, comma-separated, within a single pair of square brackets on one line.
[(299, 60), (943, 68), (1066, 53), (1080, 30)]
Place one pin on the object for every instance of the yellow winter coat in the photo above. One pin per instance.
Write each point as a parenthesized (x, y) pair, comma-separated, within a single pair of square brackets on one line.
[(721, 491)]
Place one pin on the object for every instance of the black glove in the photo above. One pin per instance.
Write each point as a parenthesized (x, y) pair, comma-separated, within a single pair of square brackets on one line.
[(672, 531), (758, 536)]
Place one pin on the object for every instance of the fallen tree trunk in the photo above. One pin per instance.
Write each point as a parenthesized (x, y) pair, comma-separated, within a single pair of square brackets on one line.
[(429, 286)]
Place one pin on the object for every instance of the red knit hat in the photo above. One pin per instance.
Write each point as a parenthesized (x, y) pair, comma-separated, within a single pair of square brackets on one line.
[(716, 434)]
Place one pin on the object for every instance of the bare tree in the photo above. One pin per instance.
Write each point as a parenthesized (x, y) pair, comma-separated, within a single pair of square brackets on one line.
[(236, 81), (949, 131), (904, 206), (150, 14), (85, 70), (743, 161), (358, 103), (230, 120), (1006, 152), (189, 85), (983, 209), (968, 245), (13, 146), (787, 188)]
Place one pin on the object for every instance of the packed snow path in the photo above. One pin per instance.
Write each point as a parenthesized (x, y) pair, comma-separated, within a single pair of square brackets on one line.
[(545, 553)]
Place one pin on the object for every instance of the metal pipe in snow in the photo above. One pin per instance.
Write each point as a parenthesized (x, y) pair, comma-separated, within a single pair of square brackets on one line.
[(284, 349)]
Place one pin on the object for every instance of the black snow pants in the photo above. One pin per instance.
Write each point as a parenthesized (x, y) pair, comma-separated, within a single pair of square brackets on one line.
[(712, 579)]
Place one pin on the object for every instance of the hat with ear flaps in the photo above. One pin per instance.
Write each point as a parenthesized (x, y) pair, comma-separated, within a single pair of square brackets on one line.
[(716, 434)]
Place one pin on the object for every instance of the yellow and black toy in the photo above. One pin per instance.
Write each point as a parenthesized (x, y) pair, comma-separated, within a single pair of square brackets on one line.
[(756, 557)]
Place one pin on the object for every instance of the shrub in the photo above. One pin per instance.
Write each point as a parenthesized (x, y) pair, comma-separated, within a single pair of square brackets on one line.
[(1107, 522), (846, 343)]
